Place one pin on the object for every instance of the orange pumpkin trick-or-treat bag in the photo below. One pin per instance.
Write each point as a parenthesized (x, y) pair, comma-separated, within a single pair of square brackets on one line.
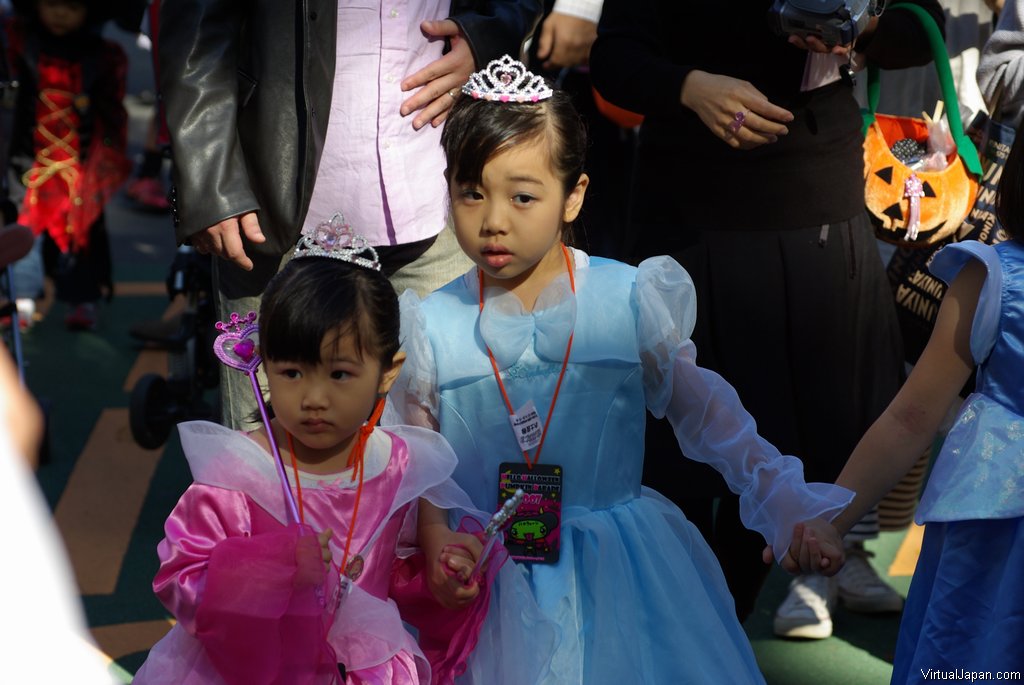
[(912, 206)]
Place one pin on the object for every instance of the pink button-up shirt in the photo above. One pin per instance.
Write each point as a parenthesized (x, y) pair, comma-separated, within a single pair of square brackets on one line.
[(385, 177)]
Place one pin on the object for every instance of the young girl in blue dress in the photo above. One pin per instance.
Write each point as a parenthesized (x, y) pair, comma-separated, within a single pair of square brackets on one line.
[(965, 609), (538, 366)]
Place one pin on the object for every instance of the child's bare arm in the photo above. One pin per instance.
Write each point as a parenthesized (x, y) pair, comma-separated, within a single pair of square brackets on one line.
[(894, 442), (450, 558)]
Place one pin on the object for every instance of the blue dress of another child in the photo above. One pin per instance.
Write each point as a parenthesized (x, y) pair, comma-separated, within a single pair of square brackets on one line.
[(636, 596), (965, 609)]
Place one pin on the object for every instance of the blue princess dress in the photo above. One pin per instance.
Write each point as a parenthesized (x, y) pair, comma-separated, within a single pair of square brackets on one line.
[(965, 609), (636, 596)]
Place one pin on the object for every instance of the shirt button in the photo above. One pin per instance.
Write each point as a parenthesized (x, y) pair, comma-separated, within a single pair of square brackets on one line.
[(389, 78), (387, 145), (394, 13)]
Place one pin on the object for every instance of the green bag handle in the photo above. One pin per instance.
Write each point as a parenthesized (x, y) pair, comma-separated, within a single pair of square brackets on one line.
[(964, 146)]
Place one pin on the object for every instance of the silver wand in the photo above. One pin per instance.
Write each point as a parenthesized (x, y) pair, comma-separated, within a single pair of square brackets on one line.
[(494, 526)]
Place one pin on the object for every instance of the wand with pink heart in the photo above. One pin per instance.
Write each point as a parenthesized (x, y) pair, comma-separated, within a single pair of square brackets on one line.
[(236, 347)]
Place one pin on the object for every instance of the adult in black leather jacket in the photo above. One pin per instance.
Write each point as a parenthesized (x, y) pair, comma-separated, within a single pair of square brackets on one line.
[(247, 89)]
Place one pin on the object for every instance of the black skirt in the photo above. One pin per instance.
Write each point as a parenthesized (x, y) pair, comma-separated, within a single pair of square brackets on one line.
[(802, 323)]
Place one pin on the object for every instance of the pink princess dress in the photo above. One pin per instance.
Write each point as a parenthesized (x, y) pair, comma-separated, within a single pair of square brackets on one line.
[(250, 595)]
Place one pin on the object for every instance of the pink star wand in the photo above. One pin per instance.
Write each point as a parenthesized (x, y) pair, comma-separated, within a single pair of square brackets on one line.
[(236, 347)]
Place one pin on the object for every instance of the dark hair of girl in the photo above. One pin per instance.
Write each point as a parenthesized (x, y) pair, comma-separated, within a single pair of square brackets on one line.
[(1010, 196), (313, 297), (477, 130)]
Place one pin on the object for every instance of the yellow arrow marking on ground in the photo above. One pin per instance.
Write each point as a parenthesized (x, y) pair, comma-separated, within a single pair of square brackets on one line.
[(905, 561), (101, 503)]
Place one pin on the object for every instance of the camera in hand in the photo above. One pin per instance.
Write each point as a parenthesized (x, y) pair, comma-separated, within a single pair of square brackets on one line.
[(834, 22)]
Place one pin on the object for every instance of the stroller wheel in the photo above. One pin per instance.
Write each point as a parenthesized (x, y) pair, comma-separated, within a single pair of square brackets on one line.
[(151, 412)]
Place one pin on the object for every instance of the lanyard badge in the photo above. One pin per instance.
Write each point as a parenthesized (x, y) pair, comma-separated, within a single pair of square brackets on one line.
[(534, 531)]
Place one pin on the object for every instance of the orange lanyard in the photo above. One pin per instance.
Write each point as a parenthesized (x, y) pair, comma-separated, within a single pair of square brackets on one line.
[(497, 374), (355, 462)]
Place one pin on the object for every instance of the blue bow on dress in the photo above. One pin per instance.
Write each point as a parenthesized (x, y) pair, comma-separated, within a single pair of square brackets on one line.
[(507, 328)]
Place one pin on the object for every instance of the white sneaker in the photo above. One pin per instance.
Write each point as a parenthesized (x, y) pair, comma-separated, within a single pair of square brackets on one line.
[(860, 587), (807, 610)]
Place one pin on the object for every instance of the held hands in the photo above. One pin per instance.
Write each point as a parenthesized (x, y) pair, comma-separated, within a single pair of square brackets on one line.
[(565, 41), (817, 548), (718, 99), (225, 239), (449, 577), (438, 82)]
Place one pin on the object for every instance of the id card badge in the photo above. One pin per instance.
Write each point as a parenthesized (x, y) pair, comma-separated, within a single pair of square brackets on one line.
[(534, 531), (527, 426)]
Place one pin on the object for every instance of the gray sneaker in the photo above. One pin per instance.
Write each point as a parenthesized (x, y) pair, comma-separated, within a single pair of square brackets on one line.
[(807, 610), (860, 587)]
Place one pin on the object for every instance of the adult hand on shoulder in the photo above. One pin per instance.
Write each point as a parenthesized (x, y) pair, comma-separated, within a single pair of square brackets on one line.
[(565, 41), (440, 81), (225, 239), (734, 110)]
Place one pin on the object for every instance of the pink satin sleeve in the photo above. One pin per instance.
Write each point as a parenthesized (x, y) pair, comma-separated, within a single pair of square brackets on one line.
[(203, 517)]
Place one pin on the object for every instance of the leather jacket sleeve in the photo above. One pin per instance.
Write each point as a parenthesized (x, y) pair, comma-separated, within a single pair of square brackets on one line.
[(198, 51), (496, 27)]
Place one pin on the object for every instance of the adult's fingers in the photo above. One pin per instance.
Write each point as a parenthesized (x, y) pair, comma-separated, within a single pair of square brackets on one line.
[(435, 109), (766, 118), (547, 39), (233, 250), (439, 67), (251, 227)]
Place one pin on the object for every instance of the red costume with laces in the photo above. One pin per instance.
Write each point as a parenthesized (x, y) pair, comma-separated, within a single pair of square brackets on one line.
[(79, 134)]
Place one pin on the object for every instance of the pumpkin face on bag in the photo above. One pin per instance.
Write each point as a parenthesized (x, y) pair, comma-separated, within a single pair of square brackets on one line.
[(897, 197)]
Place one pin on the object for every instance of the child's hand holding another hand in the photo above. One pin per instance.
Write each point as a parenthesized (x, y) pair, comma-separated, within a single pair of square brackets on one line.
[(449, 576), (817, 547)]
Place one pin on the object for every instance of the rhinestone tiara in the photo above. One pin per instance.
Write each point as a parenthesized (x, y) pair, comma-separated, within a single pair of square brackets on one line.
[(507, 80), (336, 240)]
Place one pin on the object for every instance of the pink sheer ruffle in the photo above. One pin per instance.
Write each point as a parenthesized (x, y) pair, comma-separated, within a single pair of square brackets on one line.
[(267, 608)]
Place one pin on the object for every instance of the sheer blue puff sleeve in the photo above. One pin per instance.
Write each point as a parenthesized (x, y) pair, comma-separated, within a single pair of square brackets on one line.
[(709, 421), (414, 396)]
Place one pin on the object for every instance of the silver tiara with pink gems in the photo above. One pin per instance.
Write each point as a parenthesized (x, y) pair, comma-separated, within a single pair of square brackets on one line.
[(507, 80), (335, 239)]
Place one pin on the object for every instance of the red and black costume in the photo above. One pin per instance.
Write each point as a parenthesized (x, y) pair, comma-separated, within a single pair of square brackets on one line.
[(70, 121)]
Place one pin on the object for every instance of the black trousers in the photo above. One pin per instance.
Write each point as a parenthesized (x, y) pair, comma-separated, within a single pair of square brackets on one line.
[(84, 275)]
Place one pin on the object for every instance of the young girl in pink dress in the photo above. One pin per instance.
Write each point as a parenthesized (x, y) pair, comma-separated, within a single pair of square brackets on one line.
[(260, 601)]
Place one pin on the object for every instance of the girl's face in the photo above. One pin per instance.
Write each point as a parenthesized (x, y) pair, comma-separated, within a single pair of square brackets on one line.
[(62, 17), (510, 224), (323, 406)]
